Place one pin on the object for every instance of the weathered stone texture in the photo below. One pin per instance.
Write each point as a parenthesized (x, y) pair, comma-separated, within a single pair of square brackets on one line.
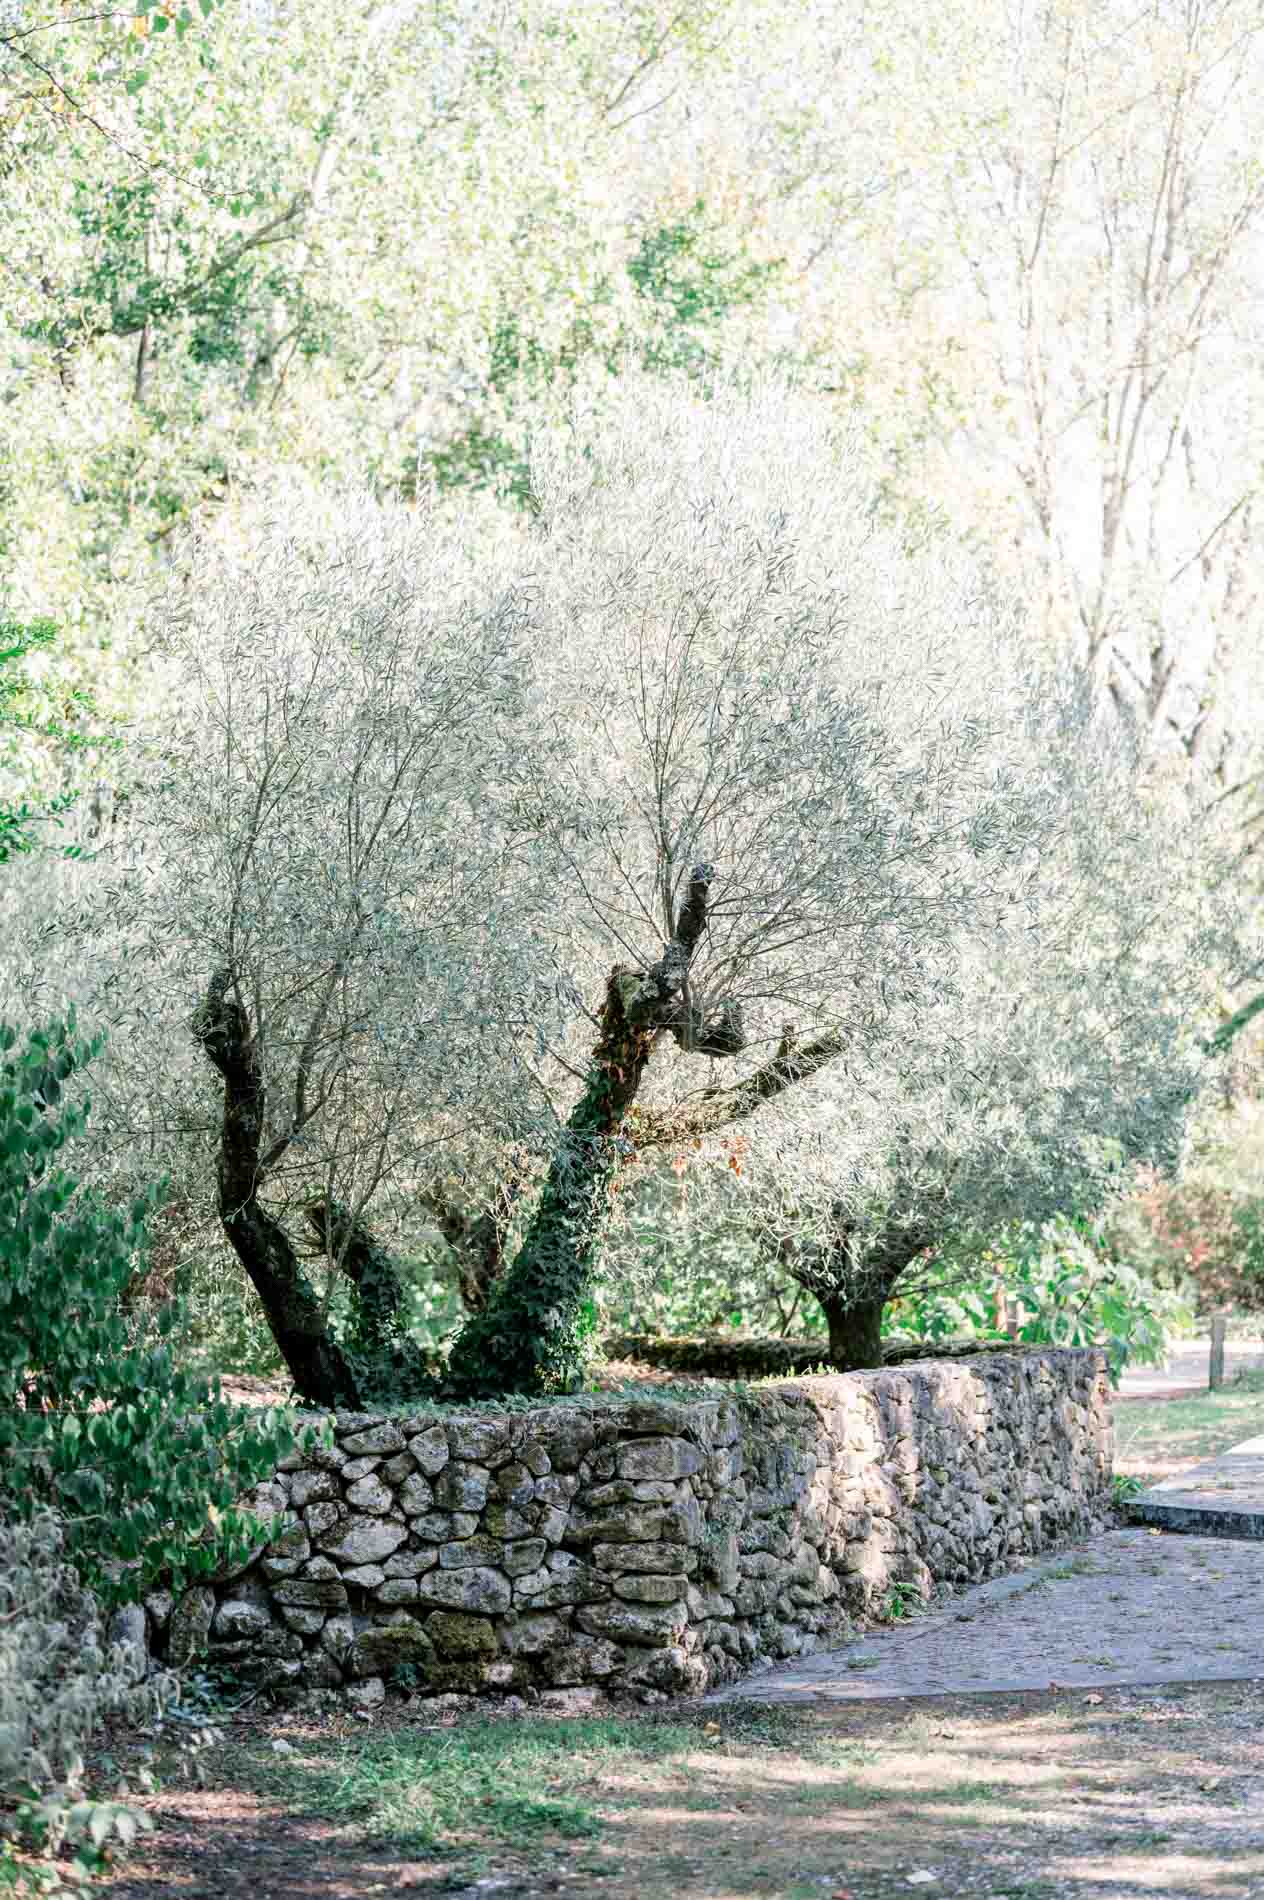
[(649, 1545)]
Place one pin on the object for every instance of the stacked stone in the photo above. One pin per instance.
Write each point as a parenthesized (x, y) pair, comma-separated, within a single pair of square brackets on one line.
[(646, 1546)]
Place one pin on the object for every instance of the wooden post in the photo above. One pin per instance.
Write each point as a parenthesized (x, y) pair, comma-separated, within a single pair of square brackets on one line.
[(1216, 1369)]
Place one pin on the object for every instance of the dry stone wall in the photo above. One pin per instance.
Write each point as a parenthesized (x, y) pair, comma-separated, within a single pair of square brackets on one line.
[(648, 1545)]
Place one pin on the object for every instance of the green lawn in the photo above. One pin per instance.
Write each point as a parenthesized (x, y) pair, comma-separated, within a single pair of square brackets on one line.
[(1154, 1438)]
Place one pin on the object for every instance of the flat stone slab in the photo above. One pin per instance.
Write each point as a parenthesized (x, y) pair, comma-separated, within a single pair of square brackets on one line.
[(1134, 1606), (1223, 1498)]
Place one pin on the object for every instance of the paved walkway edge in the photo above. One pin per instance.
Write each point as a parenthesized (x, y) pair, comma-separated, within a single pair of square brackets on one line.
[(1192, 1514), (974, 1596), (1222, 1498)]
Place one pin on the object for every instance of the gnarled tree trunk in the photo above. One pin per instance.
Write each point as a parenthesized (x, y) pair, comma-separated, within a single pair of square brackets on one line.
[(526, 1337), (854, 1276), (319, 1368), (855, 1331)]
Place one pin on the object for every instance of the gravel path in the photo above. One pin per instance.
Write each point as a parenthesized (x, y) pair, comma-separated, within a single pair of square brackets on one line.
[(1134, 1606)]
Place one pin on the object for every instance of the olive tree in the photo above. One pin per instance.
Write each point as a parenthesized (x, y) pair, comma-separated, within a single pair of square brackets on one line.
[(807, 766), (1069, 1058), (562, 843), (307, 935)]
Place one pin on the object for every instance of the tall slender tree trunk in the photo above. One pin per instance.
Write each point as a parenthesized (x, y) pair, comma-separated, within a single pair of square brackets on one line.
[(527, 1338)]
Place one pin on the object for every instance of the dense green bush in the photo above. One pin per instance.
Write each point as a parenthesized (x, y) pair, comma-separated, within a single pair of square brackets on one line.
[(1065, 1283), (142, 1460)]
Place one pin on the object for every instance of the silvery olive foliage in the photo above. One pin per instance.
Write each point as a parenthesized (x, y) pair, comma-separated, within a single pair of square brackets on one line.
[(1073, 1053), (837, 727), (314, 807), (59, 1673), (699, 797)]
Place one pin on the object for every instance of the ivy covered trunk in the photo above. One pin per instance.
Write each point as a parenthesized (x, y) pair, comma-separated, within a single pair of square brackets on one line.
[(528, 1337)]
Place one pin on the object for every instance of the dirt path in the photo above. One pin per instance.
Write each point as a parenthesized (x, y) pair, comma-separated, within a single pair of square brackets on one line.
[(1089, 1729), (1156, 1793)]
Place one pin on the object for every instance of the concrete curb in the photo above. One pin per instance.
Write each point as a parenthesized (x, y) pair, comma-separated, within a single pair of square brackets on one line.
[(1223, 1498)]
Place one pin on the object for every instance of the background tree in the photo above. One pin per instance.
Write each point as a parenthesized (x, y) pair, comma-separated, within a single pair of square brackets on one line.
[(1045, 315), (1070, 1055), (1019, 249)]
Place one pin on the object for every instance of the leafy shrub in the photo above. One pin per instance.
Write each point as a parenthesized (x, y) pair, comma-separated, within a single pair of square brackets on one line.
[(58, 1675), (1067, 1284), (141, 1460)]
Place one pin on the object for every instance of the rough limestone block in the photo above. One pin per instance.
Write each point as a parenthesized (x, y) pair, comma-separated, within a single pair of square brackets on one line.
[(462, 1487), (357, 1468), (416, 1495), (363, 1540), (658, 1458), (236, 1621), (310, 1593), (383, 1648), (641, 1624), (370, 1494), (311, 1487), (366, 1576), (430, 1449), (409, 1563), (190, 1626), (380, 1439), (460, 1638), (483, 1441), (479, 1589), (651, 1589)]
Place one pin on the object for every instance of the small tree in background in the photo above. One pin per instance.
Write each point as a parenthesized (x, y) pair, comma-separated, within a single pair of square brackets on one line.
[(1071, 1051)]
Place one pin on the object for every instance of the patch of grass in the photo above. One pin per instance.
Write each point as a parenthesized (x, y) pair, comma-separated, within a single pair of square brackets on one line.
[(765, 1723), (501, 1782), (1155, 1436), (970, 1791), (842, 1794)]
